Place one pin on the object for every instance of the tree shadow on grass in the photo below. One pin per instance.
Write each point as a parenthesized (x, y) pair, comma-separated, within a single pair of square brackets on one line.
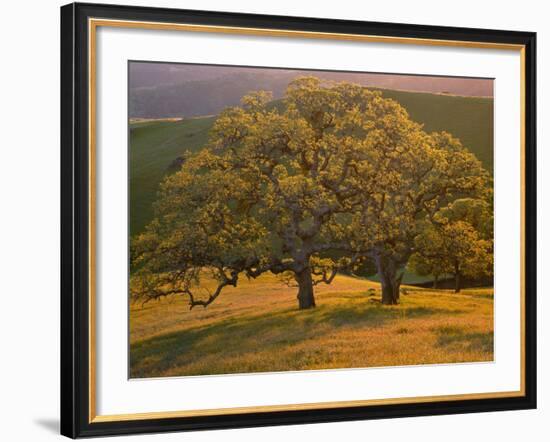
[(373, 315), (481, 295), (459, 338), (271, 332)]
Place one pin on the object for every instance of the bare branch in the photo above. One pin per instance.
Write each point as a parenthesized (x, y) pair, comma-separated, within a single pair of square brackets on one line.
[(325, 276), (225, 281)]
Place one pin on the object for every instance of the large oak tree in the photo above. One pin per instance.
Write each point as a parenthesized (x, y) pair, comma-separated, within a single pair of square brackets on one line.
[(332, 175)]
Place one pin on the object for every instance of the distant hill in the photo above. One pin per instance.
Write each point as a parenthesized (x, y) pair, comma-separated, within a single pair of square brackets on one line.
[(200, 97), (155, 145), (172, 90)]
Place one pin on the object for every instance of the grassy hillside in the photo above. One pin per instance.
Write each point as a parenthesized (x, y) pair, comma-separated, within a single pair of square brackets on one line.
[(468, 118), (155, 144), (257, 327), (153, 147)]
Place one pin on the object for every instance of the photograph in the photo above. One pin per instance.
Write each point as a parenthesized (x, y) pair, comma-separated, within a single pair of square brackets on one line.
[(274, 221), (284, 220)]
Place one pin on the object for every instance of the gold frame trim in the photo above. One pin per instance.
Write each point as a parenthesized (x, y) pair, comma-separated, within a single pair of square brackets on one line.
[(93, 24)]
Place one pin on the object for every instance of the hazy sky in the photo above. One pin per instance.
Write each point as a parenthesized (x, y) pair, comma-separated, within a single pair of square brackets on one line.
[(156, 74)]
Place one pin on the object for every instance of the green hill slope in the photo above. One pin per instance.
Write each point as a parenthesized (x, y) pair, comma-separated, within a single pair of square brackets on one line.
[(154, 145), (467, 118)]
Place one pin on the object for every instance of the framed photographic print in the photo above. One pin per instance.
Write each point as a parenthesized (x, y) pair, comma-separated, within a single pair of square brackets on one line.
[(279, 220)]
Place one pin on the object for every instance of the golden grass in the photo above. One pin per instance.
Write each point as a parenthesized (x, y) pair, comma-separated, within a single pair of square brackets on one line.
[(257, 327)]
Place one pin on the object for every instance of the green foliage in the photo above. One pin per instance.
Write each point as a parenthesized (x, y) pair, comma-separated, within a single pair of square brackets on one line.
[(458, 240)]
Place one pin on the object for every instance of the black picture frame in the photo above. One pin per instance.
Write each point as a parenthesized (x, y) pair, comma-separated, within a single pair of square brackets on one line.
[(75, 221)]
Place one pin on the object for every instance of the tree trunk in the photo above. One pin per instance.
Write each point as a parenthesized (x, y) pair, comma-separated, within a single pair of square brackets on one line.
[(436, 280), (390, 281), (458, 281), (305, 289)]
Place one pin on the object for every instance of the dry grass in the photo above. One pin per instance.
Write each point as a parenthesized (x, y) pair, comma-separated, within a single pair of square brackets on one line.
[(257, 327)]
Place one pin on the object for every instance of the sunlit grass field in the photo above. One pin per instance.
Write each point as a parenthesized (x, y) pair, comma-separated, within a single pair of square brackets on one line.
[(257, 327)]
